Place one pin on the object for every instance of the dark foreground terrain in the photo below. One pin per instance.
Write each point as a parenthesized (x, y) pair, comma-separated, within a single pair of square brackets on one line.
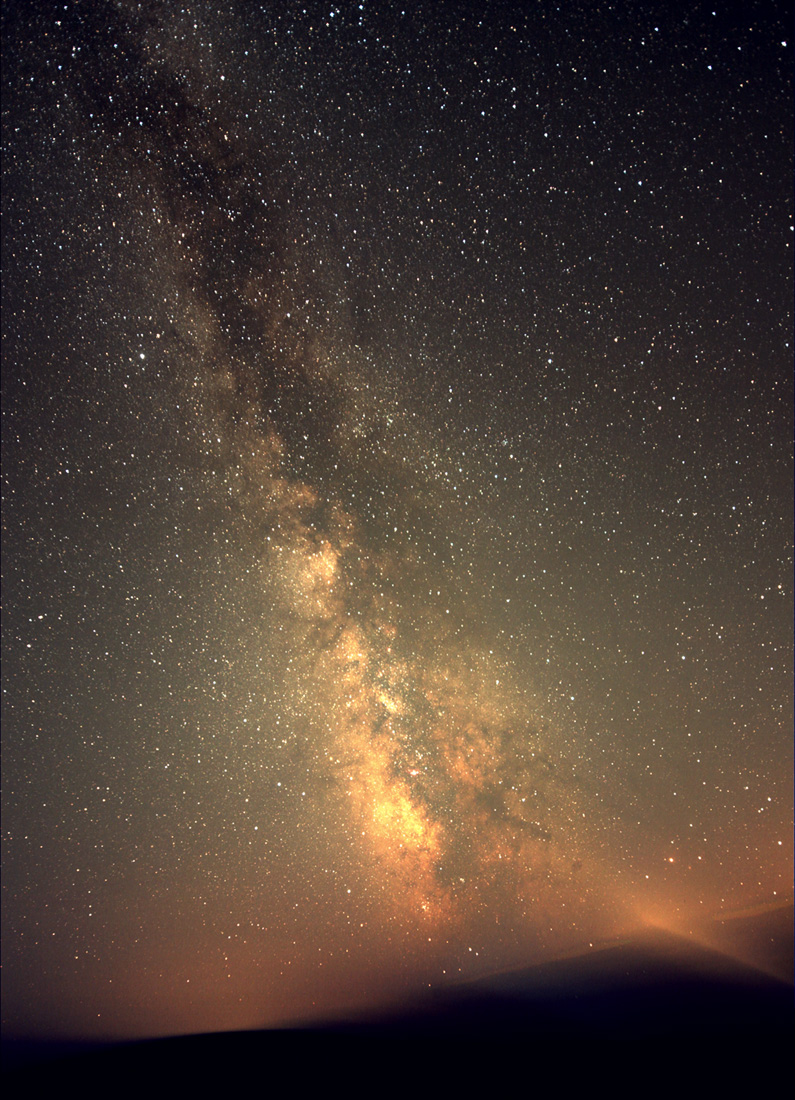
[(639, 1006)]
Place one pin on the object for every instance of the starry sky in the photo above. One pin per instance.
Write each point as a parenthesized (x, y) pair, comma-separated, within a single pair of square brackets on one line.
[(397, 471)]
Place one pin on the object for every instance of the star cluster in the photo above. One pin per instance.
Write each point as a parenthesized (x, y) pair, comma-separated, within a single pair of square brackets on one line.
[(398, 494)]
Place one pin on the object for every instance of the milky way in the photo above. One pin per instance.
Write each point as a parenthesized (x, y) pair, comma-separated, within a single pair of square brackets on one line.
[(397, 471)]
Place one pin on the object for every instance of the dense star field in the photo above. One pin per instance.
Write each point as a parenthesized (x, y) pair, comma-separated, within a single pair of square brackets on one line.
[(397, 464)]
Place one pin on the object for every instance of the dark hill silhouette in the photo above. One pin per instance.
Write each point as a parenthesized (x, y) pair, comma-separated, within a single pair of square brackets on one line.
[(661, 993)]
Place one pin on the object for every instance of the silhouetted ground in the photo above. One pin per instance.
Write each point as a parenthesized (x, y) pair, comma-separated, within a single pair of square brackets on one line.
[(666, 1000)]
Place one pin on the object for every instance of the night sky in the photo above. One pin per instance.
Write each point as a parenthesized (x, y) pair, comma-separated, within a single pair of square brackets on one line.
[(397, 464)]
